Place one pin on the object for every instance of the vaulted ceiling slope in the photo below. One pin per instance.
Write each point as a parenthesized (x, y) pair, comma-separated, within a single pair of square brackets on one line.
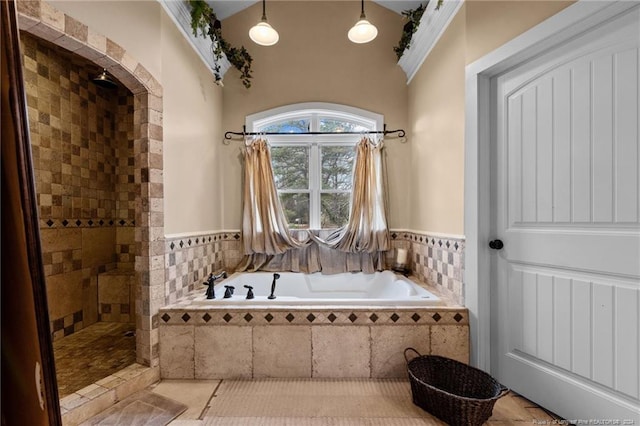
[(226, 8)]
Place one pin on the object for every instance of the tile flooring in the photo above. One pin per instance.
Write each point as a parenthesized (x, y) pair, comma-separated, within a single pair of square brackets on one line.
[(103, 349), (318, 402), (92, 354)]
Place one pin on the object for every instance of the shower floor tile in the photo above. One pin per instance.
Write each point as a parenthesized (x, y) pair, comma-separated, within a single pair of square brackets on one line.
[(92, 354)]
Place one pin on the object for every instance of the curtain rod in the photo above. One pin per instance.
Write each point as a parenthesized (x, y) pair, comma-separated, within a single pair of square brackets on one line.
[(400, 132)]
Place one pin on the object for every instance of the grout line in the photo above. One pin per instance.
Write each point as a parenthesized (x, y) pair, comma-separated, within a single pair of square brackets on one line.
[(208, 404)]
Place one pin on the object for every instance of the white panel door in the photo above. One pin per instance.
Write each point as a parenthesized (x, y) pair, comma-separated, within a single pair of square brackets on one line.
[(566, 204)]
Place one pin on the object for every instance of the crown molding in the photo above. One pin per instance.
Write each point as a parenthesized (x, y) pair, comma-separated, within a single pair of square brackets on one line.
[(180, 14), (432, 25)]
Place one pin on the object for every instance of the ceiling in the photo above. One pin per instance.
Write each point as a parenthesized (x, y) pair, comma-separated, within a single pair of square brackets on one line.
[(226, 8)]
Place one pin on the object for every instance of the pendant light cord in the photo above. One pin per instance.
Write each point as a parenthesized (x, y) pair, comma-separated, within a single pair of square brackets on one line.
[(362, 15), (264, 13)]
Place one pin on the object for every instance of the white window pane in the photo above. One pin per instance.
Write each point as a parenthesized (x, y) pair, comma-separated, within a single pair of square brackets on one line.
[(290, 166), (296, 209), (337, 167), (334, 209)]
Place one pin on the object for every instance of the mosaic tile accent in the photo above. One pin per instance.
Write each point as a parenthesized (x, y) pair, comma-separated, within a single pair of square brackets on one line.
[(435, 260)]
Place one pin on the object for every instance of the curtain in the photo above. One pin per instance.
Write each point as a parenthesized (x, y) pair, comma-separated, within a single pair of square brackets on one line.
[(367, 230), (314, 257), (264, 226), (269, 245)]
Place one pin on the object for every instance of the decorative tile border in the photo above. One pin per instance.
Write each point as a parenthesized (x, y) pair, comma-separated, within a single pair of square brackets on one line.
[(262, 316), (177, 243), (86, 223)]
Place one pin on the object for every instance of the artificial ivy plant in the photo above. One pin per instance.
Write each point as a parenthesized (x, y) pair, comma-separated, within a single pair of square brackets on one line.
[(204, 22), (413, 16)]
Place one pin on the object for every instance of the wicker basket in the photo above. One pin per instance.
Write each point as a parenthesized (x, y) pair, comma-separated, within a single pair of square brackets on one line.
[(452, 391)]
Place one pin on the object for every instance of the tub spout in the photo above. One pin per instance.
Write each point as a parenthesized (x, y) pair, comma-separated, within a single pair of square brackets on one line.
[(211, 282), (273, 286), (222, 274)]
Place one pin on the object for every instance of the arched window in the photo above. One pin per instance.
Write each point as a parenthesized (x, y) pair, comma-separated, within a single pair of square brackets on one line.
[(313, 173)]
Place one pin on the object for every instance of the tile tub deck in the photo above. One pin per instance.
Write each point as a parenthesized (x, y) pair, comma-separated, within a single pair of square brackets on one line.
[(233, 342)]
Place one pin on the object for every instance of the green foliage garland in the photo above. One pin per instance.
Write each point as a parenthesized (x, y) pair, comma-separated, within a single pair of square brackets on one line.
[(413, 16), (204, 22)]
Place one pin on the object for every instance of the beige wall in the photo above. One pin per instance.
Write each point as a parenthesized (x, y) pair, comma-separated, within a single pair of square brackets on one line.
[(192, 129), (490, 24), (134, 25), (315, 62), (192, 105), (436, 106)]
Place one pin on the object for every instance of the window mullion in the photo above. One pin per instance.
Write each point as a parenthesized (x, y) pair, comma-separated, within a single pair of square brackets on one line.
[(314, 186)]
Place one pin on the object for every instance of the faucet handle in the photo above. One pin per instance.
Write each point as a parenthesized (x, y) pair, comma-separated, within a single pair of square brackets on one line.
[(229, 292), (249, 292)]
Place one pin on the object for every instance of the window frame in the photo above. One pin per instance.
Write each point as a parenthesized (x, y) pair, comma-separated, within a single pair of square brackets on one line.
[(315, 111)]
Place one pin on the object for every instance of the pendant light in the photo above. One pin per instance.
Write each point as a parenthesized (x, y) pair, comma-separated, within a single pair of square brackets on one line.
[(363, 31), (262, 33)]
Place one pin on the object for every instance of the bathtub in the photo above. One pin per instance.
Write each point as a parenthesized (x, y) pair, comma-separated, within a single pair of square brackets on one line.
[(296, 289), (318, 326)]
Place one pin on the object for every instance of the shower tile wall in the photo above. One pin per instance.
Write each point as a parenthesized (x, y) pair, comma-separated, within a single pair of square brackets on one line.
[(189, 260), (82, 147), (435, 260)]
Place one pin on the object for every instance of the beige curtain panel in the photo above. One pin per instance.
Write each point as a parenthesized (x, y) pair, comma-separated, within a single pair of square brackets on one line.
[(367, 230), (264, 225), (269, 245)]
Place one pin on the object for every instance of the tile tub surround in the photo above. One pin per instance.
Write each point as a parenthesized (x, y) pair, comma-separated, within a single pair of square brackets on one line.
[(199, 342), (189, 259), (436, 260)]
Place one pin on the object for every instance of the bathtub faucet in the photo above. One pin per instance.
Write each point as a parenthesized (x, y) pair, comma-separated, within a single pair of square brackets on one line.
[(273, 286), (211, 282)]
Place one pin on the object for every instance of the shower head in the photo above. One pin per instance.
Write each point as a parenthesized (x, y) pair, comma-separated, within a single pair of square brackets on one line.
[(104, 80)]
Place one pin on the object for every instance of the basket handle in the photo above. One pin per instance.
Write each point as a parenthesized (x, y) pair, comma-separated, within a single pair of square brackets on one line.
[(406, 358), (503, 391)]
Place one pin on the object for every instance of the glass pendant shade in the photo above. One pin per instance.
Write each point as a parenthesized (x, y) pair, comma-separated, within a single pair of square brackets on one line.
[(362, 32), (263, 34)]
